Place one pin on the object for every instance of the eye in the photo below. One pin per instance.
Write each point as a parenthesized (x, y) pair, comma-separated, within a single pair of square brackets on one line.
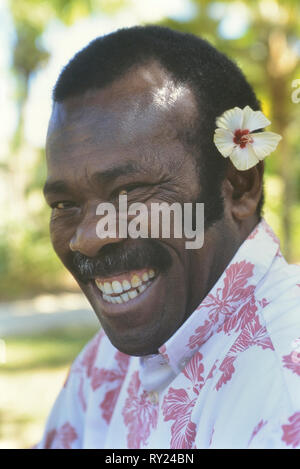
[(63, 205)]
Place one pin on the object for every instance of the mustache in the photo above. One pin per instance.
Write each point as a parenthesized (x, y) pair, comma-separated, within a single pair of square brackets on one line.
[(120, 257)]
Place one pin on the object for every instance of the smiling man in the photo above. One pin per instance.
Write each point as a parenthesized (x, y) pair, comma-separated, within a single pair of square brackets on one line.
[(198, 347)]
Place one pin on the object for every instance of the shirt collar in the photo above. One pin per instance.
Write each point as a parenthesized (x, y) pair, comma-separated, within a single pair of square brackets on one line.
[(237, 283)]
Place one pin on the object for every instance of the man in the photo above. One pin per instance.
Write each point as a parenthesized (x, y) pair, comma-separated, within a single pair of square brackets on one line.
[(198, 348)]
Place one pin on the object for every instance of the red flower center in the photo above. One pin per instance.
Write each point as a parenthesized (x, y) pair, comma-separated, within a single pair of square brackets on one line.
[(242, 137)]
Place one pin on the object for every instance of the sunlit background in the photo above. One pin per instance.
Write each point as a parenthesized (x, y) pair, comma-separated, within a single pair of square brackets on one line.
[(44, 320)]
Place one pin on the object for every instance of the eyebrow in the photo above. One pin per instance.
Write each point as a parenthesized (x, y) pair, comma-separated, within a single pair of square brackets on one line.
[(55, 187), (99, 177), (111, 174)]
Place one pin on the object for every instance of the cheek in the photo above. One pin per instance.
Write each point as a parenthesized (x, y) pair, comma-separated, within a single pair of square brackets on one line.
[(60, 237)]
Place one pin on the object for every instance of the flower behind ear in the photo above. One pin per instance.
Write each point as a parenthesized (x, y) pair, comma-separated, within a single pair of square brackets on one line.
[(235, 137)]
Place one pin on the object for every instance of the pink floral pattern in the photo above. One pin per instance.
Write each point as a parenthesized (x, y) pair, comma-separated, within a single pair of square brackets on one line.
[(252, 334), (243, 316), (257, 428), (139, 414), (62, 438), (202, 333), (233, 293), (263, 302), (223, 305), (163, 352), (292, 362), (291, 431), (115, 378), (81, 395), (254, 233), (213, 368), (90, 354), (211, 436), (270, 232), (84, 367), (179, 403)]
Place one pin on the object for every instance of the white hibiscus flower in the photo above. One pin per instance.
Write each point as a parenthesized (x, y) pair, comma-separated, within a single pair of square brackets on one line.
[(235, 137)]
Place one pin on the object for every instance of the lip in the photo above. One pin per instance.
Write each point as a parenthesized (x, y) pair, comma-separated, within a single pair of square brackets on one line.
[(116, 309)]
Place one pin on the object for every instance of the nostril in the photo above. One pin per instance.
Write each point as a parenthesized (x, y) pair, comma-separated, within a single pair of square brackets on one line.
[(86, 241)]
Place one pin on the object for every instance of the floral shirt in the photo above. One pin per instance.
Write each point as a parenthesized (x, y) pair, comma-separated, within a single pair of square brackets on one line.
[(228, 378)]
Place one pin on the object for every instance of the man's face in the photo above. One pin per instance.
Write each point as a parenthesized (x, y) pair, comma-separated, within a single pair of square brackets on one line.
[(124, 139)]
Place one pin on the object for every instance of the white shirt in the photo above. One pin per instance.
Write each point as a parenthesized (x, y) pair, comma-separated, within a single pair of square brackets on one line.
[(228, 378)]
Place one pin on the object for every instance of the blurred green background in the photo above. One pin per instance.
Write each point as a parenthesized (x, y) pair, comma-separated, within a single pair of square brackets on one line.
[(37, 38)]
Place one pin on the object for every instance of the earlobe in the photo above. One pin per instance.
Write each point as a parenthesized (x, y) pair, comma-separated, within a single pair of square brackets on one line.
[(244, 190)]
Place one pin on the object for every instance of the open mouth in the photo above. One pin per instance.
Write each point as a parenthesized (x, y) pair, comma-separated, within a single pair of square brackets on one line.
[(125, 287)]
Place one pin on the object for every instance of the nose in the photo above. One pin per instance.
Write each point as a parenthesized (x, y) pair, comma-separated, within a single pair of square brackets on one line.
[(86, 239)]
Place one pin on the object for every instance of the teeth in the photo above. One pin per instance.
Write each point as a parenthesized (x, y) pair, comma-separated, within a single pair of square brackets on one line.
[(151, 273), (133, 288), (142, 288), (132, 294), (107, 288), (126, 285), (145, 277), (117, 287), (99, 285), (125, 297), (135, 281)]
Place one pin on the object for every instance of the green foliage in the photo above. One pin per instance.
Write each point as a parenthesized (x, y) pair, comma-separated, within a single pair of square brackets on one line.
[(52, 349), (28, 264), (33, 375)]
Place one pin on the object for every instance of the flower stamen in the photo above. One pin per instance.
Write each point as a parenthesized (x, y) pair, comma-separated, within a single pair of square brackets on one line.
[(242, 137)]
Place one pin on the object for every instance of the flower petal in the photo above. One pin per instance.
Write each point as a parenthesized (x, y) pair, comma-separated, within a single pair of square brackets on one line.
[(244, 158), (264, 143), (253, 120), (231, 119), (223, 140)]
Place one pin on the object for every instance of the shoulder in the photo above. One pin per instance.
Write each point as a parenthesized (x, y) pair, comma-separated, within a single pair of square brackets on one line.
[(281, 278), (96, 353), (279, 296)]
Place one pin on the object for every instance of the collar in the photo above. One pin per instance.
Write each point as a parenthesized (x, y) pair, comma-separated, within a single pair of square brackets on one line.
[(235, 286)]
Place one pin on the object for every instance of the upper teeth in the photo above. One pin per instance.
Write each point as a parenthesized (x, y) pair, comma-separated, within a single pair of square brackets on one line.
[(128, 288)]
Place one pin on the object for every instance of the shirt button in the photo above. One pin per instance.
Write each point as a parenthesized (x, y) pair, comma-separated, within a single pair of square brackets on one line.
[(184, 362), (153, 397)]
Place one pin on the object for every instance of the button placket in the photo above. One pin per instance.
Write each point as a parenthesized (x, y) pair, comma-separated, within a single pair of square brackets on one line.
[(153, 397)]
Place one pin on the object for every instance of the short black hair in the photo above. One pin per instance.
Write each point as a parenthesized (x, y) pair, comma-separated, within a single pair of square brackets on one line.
[(216, 82)]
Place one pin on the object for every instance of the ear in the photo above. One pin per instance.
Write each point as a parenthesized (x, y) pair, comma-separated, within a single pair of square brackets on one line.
[(243, 190)]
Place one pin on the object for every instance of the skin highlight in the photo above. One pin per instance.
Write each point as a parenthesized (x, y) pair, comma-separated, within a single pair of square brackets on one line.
[(134, 123)]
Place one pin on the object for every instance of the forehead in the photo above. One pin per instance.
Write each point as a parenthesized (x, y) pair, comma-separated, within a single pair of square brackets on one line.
[(143, 112)]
